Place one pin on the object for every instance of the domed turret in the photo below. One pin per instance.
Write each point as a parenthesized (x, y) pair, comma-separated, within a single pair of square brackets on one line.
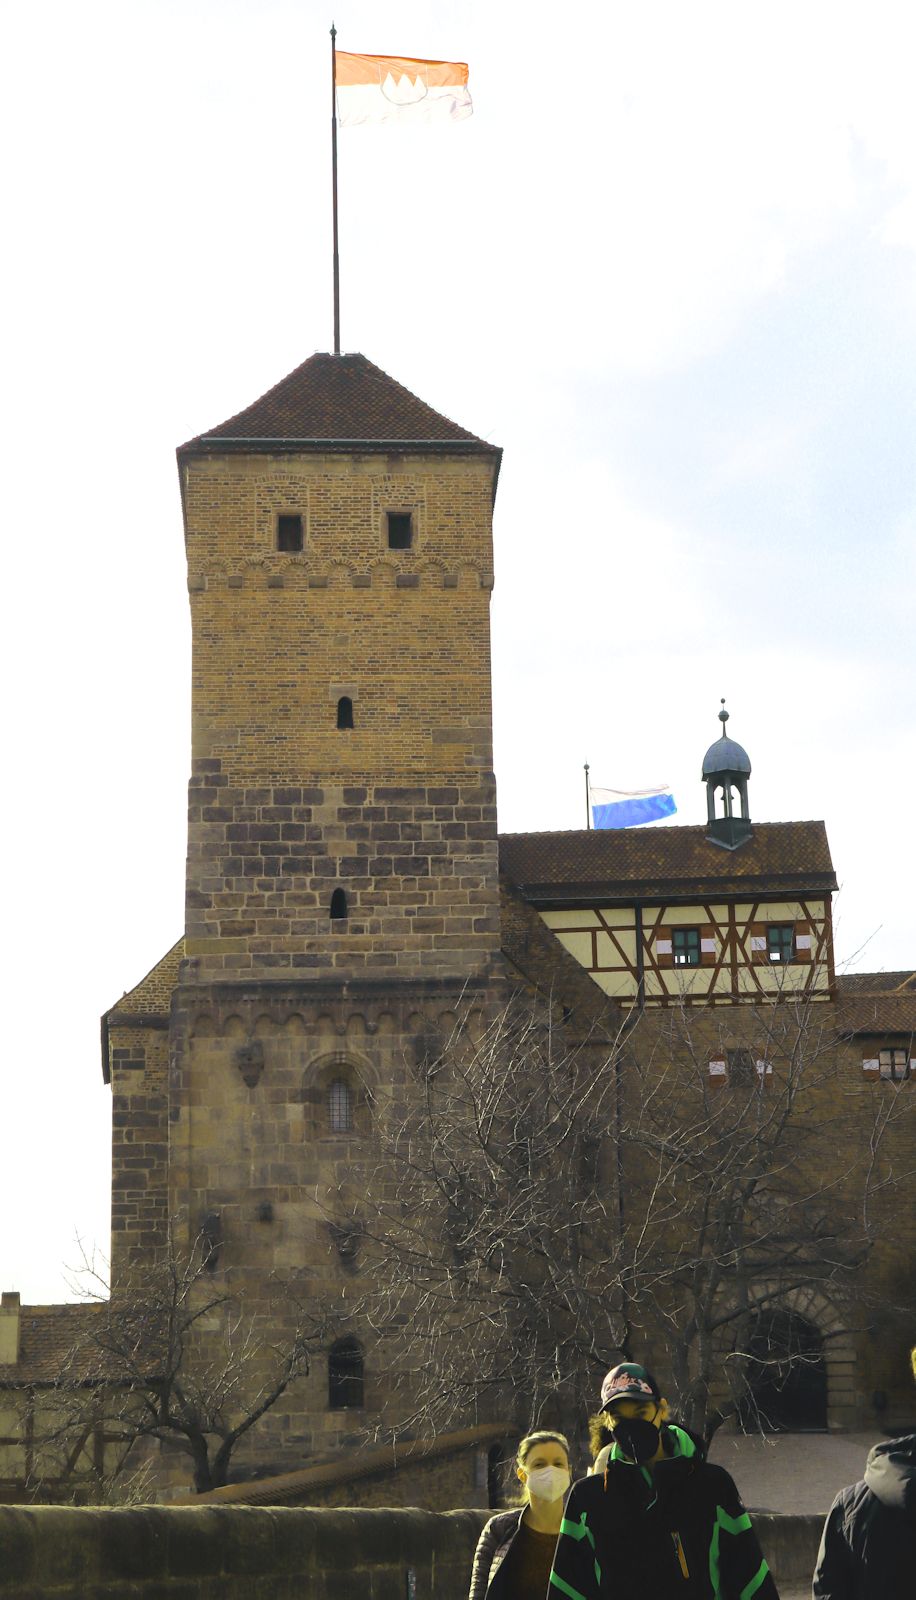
[(726, 769)]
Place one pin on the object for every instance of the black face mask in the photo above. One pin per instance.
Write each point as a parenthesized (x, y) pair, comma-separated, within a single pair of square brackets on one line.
[(637, 1439)]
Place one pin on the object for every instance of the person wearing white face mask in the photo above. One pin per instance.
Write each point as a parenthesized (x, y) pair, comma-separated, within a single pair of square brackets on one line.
[(515, 1552)]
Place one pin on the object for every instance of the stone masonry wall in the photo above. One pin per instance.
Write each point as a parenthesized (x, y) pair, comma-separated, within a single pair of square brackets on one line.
[(243, 1553), (845, 1125), (252, 1146), (417, 863), (399, 810), (138, 1059)]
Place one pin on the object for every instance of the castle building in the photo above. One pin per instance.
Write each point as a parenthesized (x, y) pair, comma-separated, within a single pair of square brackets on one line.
[(348, 897)]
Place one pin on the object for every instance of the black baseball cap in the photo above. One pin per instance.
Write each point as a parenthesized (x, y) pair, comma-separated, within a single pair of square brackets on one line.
[(628, 1381)]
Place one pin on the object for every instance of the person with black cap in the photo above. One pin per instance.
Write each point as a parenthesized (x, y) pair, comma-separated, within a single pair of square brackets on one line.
[(655, 1519)]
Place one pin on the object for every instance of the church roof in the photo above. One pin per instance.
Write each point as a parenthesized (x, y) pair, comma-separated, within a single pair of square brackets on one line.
[(623, 864), (337, 400)]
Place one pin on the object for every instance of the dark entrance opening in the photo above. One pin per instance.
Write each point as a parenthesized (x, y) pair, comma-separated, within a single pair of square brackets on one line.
[(786, 1374)]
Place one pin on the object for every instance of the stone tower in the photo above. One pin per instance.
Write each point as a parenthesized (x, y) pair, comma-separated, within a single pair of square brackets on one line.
[(342, 895), (342, 819)]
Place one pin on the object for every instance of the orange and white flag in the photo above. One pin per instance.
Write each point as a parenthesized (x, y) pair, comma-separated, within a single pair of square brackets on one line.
[(399, 89)]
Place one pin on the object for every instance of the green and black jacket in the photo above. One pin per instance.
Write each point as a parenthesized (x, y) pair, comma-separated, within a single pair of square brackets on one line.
[(679, 1531)]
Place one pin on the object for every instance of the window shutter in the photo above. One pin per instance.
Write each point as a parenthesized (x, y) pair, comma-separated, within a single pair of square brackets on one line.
[(664, 954), (758, 944), (871, 1067), (709, 946), (804, 941), (718, 1072)]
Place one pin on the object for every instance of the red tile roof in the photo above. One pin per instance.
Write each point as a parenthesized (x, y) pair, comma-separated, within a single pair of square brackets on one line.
[(340, 400), (666, 863)]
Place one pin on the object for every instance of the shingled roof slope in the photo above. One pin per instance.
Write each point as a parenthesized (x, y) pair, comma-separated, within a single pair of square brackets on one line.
[(877, 1002), (152, 996), (337, 400), (670, 862), (859, 983), (53, 1341)]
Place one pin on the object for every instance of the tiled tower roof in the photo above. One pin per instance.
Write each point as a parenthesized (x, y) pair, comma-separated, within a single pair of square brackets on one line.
[(343, 400)]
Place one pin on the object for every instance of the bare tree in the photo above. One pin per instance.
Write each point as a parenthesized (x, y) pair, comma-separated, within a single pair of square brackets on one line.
[(176, 1356), (751, 1172), (539, 1211), (491, 1238)]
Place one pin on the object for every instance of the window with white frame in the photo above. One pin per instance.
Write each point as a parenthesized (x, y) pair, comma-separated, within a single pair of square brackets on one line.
[(893, 1064)]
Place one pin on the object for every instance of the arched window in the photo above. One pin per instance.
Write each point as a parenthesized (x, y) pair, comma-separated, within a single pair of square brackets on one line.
[(340, 1107), (345, 1375), (338, 905), (345, 712)]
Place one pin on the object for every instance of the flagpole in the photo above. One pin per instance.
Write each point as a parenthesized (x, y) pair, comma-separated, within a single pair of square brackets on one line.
[(588, 809), (334, 187)]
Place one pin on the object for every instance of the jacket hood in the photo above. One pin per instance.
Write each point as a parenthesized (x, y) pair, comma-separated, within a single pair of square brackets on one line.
[(890, 1473)]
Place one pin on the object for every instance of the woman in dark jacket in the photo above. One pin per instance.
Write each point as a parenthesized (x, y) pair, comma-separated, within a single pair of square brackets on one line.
[(515, 1552)]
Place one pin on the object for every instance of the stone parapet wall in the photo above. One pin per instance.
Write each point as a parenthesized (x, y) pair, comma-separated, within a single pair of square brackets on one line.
[(227, 1553)]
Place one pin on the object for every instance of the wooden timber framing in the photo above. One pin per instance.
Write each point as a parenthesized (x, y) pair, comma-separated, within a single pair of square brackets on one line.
[(627, 949)]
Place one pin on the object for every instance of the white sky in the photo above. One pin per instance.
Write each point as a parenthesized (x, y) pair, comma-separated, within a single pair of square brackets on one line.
[(669, 265)]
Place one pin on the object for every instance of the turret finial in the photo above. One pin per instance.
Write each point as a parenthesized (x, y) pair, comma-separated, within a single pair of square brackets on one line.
[(723, 715)]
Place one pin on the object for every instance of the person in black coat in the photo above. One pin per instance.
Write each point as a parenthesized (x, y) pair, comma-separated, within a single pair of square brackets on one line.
[(656, 1520), (515, 1551), (868, 1547)]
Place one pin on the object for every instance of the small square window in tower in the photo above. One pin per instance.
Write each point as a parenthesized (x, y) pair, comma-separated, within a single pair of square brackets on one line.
[(400, 529), (289, 532), (685, 947), (780, 942)]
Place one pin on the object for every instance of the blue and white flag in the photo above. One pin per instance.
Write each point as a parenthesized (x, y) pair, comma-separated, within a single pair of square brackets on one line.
[(619, 808)]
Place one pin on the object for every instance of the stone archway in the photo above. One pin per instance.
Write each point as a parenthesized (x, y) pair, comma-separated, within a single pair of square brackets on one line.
[(786, 1375), (803, 1380)]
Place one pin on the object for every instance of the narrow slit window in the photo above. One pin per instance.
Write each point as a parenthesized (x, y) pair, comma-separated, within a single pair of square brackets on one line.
[(400, 530), (345, 1375), (345, 712), (338, 905), (340, 1107), (289, 532)]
